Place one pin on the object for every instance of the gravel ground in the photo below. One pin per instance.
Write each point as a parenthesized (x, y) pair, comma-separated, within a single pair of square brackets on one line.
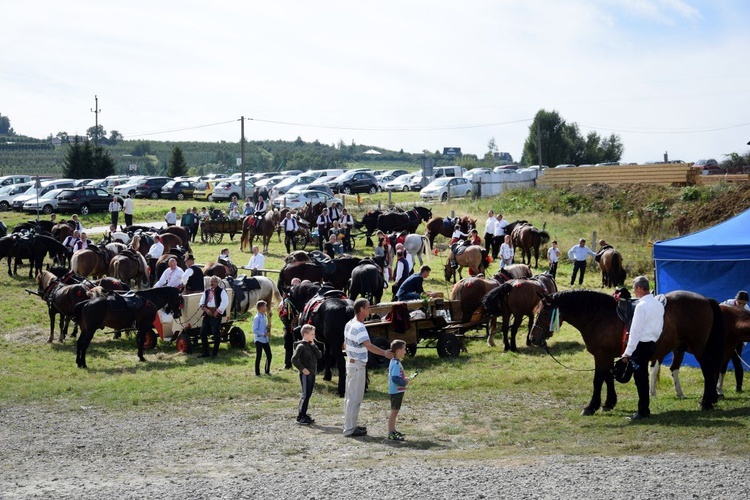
[(240, 452)]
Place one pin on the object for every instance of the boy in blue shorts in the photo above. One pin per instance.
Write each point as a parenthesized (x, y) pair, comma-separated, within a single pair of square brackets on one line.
[(396, 387)]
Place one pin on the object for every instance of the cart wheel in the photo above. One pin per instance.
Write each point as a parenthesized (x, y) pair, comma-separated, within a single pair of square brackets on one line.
[(237, 338), (150, 341), (448, 345), (353, 242), (411, 350), (215, 237), (300, 241), (184, 344), (375, 361)]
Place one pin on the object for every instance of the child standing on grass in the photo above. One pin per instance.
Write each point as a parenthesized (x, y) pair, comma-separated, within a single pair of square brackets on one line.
[(396, 387), (305, 359), (506, 252), (261, 333)]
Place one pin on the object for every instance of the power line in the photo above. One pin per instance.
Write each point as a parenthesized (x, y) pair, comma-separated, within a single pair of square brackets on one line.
[(662, 131), (394, 129), (180, 129)]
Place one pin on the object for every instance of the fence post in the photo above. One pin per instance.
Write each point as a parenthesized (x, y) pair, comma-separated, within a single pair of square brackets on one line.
[(544, 226), (390, 198), (479, 189), (378, 204), (593, 238), (453, 214)]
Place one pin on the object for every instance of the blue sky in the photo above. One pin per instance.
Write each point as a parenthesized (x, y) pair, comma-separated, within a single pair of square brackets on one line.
[(666, 75)]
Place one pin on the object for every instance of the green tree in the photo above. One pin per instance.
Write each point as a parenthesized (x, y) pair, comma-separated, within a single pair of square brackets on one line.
[(97, 133), (5, 128), (177, 165), (103, 163), (75, 163), (114, 137), (142, 149)]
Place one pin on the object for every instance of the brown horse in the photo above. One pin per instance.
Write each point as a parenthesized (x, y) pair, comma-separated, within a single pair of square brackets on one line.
[(303, 271), (469, 293), (439, 225), (220, 269), (528, 238), (517, 298), (613, 273), (474, 257), (61, 231), (143, 245), (178, 231), (129, 265), (94, 261), (690, 320), (512, 272), (252, 227)]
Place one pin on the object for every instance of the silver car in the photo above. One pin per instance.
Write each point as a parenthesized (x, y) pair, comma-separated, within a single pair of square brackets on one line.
[(46, 204)]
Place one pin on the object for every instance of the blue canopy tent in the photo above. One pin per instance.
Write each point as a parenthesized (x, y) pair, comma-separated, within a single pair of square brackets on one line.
[(714, 262)]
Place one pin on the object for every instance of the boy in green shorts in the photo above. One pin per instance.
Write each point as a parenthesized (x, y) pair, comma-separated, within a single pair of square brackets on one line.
[(396, 387)]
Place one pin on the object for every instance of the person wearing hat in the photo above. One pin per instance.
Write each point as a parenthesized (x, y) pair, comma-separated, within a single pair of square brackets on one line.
[(578, 254), (347, 223), (740, 302), (192, 278), (214, 303), (645, 330), (323, 223)]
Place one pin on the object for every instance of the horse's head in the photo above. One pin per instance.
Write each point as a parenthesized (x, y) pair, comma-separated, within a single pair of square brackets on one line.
[(448, 271), (547, 320), (175, 303)]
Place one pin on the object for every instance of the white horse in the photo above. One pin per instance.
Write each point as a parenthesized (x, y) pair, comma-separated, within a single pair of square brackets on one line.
[(267, 292), (415, 244), (120, 236)]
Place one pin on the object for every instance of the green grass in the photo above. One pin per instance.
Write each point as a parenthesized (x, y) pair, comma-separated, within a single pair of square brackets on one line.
[(486, 404)]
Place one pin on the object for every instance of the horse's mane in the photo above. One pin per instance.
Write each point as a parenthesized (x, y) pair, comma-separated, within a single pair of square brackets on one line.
[(492, 300), (584, 301)]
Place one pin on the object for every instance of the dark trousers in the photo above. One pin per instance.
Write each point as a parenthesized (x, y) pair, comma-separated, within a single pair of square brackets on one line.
[(194, 231), (128, 219), (114, 216), (348, 240), (260, 348), (488, 242), (578, 265), (308, 382), (289, 241), (152, 267), (211, 325), (553, 270), (640, 358), (496, 242), (322, 236)]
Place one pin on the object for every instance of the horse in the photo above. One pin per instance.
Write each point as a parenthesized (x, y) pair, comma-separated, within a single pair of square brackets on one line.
[(61, 231), (329, 321), (61, 296), (294, 302), (517, 298), (252, 228), (34, 248), (690, 320), (367, 280), (469, 293), (93, 261), (512, 272), (613, 273), (220, 269), (129, 265), (119, 313), (415, 244), (474, 257), (180, 232), (438, 225), (304, 271), (267, 291), (336, 271), (528, 238), (397, 220), (142, 244)]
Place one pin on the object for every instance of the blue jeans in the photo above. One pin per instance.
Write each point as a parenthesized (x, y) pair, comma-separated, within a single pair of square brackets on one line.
[(408, 296)]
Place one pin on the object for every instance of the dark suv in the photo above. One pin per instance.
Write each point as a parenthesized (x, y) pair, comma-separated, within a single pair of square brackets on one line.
[(178, 190), (355, 182), (84, 200), (150, 187)]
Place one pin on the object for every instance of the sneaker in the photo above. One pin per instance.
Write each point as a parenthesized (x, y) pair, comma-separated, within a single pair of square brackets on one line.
[(395, 436), (400, 433), (357, 433), (304, 421), (308, 417)]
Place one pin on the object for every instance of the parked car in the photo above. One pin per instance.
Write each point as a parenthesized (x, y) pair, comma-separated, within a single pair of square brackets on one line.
[(129, 187), (384, 179), (150, 187), (452, 171), (203, 190), (447, 187), (112, 183), (46, 204), (505, 167), (7, 193), (81, 182), (355, 182), (287, 173), (323, 188), (33, 192), (565, 165), (14, 179), (400, 183), (399, 173), (297, 200), (178, 190), (225, 190), (270, 182), (97, 183), (708, 166), (290, 182), (84, 200), (419, 181)]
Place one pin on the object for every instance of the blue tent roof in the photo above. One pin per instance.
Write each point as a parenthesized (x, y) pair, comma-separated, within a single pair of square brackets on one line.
[(728, 240)]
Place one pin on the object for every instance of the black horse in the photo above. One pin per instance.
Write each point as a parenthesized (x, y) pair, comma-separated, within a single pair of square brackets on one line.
[(409, 220), (367, 280), (33, 247), (120, 313), (294, 303), (329, 321), (334, 271)]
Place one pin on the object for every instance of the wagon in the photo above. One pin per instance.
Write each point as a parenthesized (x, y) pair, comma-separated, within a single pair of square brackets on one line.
[(213, 230), (438, 329), (185, 330), (304, 236)]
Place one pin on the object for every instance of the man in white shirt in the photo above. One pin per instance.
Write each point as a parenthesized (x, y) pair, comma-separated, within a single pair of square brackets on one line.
[(289, 225), (172, 276), (323, 223), (257, 261), (77, 226), (498, 235), (127, 209), (154, 252), (553, 256), (489, 230), (82, 243), (333, 212), (214, 302), (578, 254), (645, 330), (114, 210), (71, 240), (192, 278), (408, 256), (171, 217), (740, 302), (347, 222)]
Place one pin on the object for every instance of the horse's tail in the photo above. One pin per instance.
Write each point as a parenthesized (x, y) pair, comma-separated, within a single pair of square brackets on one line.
[(426, 247), (74, 263), (543, 236), (116, 269), (617, 273), (494, 299), (276, 294), (714, 350), (78, 311)]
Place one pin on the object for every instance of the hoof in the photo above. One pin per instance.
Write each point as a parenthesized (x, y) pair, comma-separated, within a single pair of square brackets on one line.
[(587, 412), (142, 359), (608, 408)]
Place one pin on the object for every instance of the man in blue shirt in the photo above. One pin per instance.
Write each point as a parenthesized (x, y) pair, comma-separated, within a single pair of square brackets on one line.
[(411, 288), (578, 254)]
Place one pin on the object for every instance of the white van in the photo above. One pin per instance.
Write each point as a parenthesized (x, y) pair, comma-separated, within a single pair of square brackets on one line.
[(452, 171), (18, 201)]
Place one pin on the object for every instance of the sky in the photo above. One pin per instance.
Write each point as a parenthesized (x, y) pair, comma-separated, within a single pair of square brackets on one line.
[(665, 75)]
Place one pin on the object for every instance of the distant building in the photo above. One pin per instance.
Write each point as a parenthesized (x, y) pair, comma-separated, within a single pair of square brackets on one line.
[(452, 151), (503, 157)]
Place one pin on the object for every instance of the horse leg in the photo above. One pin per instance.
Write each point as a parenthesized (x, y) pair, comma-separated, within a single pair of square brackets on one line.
[(491, 333), (675, 369), (611, 401), (710, 371), (341, 366), (531, 323), (52, 325), (140, 338), (517, 319), (506, 327), (596, 397), (81, 346)]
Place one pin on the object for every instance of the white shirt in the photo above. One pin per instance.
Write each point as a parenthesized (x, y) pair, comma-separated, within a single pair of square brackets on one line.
[(170, 277), (114, 206), (156, 250), (225, 258), (347, 220), (399, 270), (171, 217), (579, 252), (506, 251), (186, 275), (500, 227), (409, 259), (553, 254), (648, 322), (289, 224), (729, 302), (323, 220), (458, 234), (70, 241), (256, 261), (79, 226), (489, 226), (260, 206), (211, 302), (127, 206), (81, 244), (333, 212)]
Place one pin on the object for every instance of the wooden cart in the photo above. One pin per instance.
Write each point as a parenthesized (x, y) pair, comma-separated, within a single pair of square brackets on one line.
[(213, 230)]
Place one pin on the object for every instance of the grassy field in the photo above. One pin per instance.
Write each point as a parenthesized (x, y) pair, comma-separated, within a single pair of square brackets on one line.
[(489, 403)]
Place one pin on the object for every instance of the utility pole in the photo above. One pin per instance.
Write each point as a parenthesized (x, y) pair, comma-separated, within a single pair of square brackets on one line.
[(539, 142), (242, 154), (96, 112)]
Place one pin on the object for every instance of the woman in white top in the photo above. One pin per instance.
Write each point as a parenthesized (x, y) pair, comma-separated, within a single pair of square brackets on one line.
[(458, 235), (506, 252)]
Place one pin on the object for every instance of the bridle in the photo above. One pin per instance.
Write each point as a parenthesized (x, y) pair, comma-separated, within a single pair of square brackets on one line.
[(552, 327)]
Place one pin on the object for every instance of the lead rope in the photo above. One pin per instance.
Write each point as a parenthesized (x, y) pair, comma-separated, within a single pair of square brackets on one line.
[(554, 326)]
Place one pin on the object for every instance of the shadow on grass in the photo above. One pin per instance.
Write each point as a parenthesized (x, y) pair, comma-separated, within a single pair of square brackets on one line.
[(417, 444)]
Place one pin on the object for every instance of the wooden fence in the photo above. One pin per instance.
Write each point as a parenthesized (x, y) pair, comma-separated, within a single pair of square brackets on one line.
[(721, 179), (679, 174)]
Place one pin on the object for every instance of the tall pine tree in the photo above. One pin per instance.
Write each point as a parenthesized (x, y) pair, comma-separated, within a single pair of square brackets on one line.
[(177, 165)]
